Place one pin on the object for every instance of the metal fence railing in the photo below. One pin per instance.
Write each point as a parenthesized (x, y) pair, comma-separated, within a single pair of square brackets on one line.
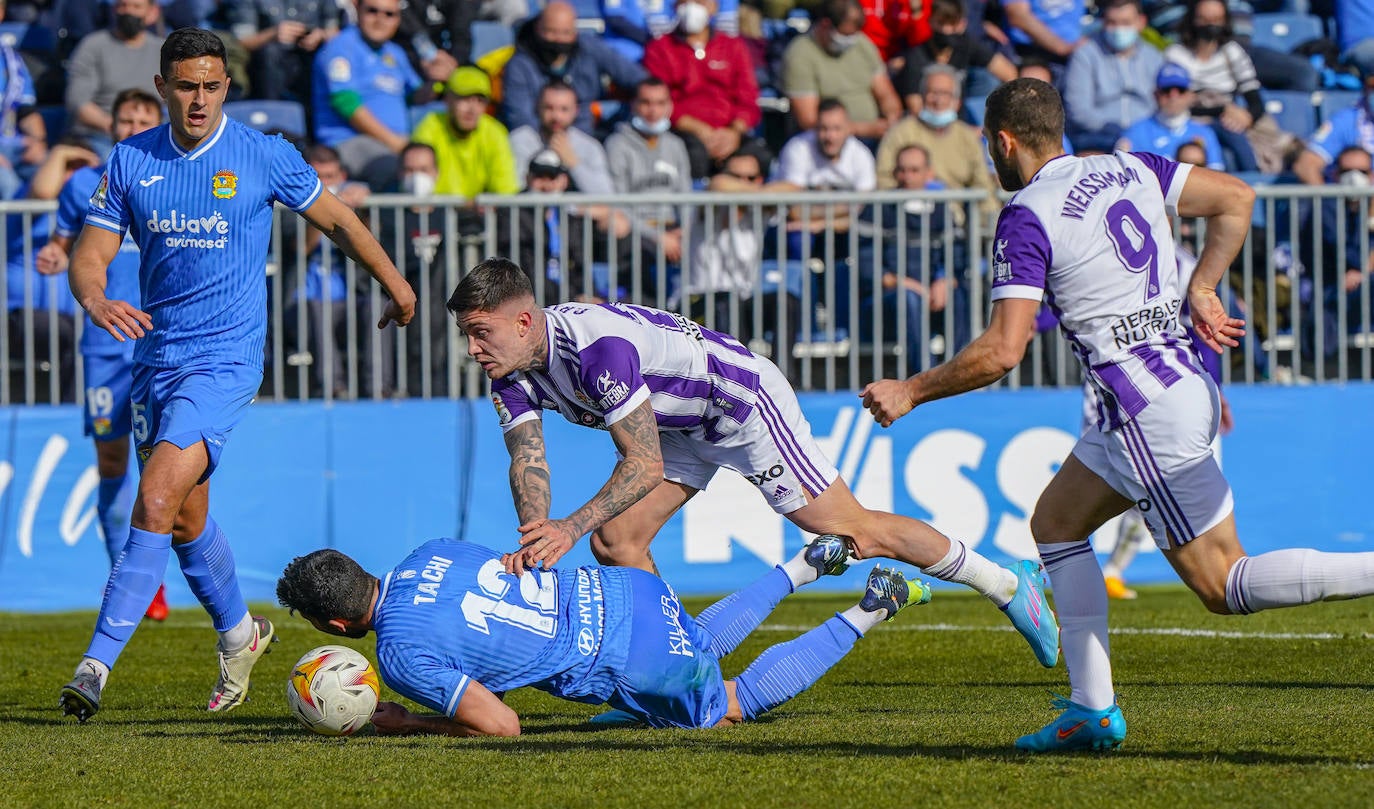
[(837, 288)]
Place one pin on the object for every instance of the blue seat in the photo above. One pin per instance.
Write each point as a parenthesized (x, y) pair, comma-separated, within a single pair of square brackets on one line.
[(1292, 110), (1284, 31), (268, 116), (1332, 101), (416, 113), (55, 119), (975, 106), (490, 36), (25, 37)]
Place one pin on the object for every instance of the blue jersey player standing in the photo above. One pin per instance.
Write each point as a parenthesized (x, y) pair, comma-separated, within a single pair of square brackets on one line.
[(107, 363), (455, 631), (197, 196)]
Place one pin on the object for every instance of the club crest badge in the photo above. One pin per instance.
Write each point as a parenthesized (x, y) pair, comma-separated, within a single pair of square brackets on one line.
[(225, 184)]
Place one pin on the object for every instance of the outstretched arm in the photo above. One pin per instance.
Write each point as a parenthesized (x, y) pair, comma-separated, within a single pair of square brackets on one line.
[(343, 227), (480, 713), (529, 471), (1226, 202), (982, 362), (638, 471), (95, 249)]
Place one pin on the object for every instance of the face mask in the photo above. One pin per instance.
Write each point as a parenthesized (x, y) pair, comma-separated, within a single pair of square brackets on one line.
[(938, 120), (1355, 178), (1121, 39), (643, 127), (127, 26), (692, 18), (839, 43), (940, 41), (549, 51), (418, 183), (1174, 121), (1211, 33)]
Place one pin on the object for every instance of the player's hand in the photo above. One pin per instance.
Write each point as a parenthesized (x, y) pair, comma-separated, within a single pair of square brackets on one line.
[(400, 309), (888, 400), (390, 719), (50, 259), (120, 319), (1216, 328), (544, 543)]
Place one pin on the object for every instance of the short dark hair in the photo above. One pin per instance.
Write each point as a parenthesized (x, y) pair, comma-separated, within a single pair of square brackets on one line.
[(837, 11), (326, 585), (135, 95), (652, 81), (947, 11), (489, 285), (188, 43), (1029, 109), (1103, 6), (912, 147), (1359, 150), (415, 146), (828, 105), (557, 85), (320, 153)]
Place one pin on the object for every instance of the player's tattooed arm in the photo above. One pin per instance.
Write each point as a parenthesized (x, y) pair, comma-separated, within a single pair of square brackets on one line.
[(529, 471), (639, 470)]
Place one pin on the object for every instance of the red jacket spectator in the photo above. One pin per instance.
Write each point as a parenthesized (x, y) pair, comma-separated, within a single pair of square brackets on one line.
[(893, 27), (716, 86)]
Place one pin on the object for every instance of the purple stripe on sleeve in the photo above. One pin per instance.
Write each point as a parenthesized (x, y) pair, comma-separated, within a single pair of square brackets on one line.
[(1154, 363), (1021, 253), (1123, 390), (1162, 167)]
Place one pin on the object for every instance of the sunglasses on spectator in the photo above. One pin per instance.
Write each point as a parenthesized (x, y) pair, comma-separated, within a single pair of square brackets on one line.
[(1169, 91), (748, 178), (381, 12)]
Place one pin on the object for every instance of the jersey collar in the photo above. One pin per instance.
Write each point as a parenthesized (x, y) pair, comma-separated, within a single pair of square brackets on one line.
[(205, 144)]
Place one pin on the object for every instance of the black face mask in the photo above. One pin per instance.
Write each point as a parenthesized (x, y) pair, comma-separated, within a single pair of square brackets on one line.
[(940, 41), (1211, 33), (549, 51), (127, 26)]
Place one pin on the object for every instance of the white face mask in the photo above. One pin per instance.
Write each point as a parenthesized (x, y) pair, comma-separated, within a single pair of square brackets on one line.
[(1174, 121), (839, 43), (1355, 178), (418, 183), (692, 18)]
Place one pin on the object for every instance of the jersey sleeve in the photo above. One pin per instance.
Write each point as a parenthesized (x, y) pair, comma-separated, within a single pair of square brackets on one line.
[(1172, 177), (71, 208), (1021, 255), (415, 673), (294, 183), (1335, 135), (514, 401), (108, 206), (610, 376)]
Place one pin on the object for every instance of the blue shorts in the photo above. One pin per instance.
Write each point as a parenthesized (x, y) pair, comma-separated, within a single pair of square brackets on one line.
[(109, 380), (202, 401), (668, 681)]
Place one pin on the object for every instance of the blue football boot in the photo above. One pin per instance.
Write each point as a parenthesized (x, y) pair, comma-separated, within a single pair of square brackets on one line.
[(1077, 728), (1030, 613)]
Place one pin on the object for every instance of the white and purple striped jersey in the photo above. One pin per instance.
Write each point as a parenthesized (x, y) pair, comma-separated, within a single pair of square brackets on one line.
[(1091, 236), (607, 359)]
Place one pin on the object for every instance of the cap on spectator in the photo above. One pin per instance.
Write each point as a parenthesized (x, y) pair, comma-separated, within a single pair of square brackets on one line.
[(469, 80), (1173, 75), (547, 163)]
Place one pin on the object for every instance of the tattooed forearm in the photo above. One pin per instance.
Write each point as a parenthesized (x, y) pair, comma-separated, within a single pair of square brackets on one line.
[(529, 471), (638, 472)]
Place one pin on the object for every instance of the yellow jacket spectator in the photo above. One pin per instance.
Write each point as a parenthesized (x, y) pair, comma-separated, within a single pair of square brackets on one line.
[(472, 148)]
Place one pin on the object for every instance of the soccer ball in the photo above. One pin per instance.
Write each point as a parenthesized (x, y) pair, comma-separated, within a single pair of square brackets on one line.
[(333, 690)]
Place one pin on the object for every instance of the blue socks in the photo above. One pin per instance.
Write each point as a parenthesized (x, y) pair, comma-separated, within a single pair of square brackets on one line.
[(208, 564), (729, 621), (114, 502), (134, 579), (787, 669)]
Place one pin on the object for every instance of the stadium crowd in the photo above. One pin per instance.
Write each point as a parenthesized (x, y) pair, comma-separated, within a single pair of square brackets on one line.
[(460, 98)]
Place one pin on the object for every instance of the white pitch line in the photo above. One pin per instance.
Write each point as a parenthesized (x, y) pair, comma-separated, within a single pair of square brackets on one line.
[(1125, 630)]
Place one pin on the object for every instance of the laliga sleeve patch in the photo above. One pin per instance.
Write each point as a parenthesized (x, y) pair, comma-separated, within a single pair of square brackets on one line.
[(339, 69), (100, 198), (502, 412)]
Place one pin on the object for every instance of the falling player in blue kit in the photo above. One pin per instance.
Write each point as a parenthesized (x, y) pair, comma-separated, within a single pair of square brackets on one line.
[(455, 631), (107, 363), (197, 196), (1092, 236)]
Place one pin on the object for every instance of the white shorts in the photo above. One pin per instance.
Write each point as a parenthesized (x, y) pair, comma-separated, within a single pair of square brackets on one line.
[(1164, 460), (773, 449)]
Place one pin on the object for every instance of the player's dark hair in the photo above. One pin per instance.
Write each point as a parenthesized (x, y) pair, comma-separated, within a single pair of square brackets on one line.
[(188, 43), (488, 285), (1029, 109), (326, 585), (136, 95)]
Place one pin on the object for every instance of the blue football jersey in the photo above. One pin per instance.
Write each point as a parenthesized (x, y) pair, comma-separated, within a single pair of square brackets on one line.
[(121, 280), (450, 614), (202, 221)]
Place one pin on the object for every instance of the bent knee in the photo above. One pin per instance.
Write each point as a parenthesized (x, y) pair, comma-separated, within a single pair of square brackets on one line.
[(616, 548)]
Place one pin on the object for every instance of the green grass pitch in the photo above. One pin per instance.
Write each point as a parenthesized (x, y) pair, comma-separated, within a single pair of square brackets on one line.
[(1270, 710)]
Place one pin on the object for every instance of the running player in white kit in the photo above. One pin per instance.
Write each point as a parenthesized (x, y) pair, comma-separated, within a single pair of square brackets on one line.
[(680, 402), (1091, 235)]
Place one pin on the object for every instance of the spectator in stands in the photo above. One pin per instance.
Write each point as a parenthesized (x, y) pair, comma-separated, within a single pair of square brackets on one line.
[(472, 149), (1355, 33), (326, 293), (1108, 80), (282, 37), (631, 24), (1343, 269), (956, 149), (1172, 125), (1351, 126), (23, 135), (827, 157), (1048, 29), (1221, 70), (581, 156), (105, 62), (835, 60), (645, 157), (363, 87), (711, 80), (431, 27), (895, 25), (548, 48), (950, 43)]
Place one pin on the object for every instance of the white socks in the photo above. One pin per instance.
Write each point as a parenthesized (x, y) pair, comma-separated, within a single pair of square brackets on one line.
[(237, 636), (965, 566), (101, 670), (863, 620), (1080, 598), (798, 571), (1296, 576)]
